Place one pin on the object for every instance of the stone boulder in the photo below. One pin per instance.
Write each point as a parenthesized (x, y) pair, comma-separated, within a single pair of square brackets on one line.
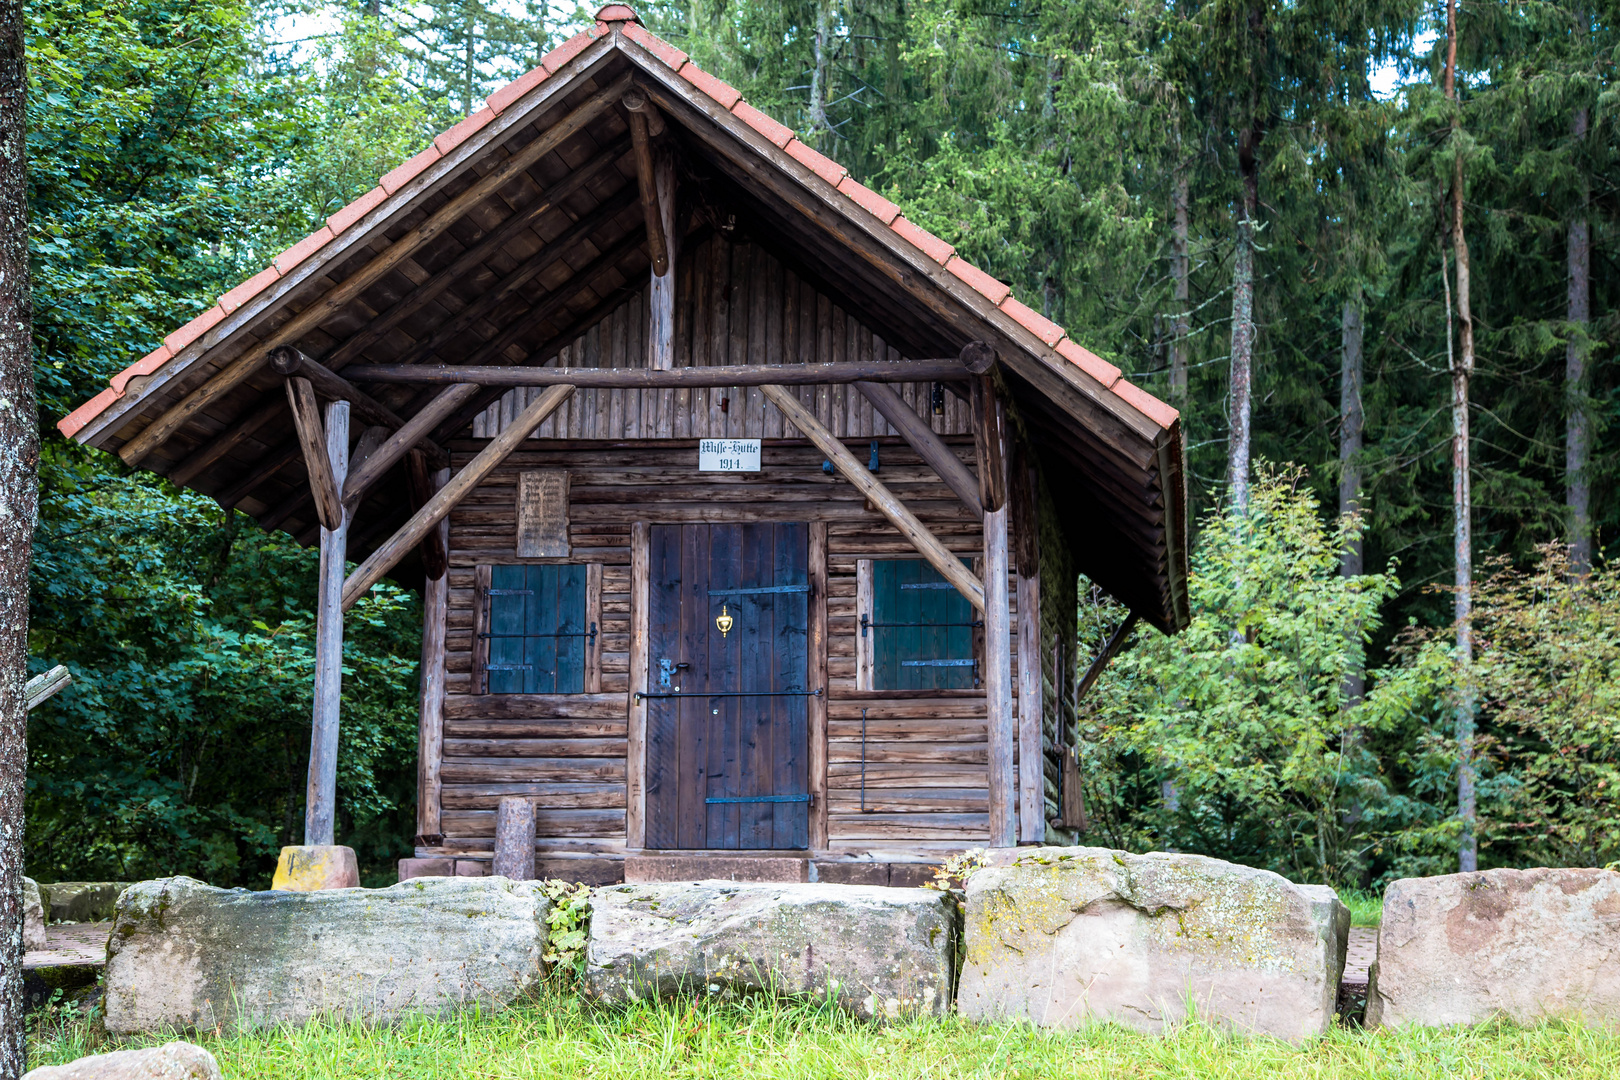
[(185, 955), (878, 951), (173, 1061), (83, 901), (1066, 936), (33, 916), (1525, 945)]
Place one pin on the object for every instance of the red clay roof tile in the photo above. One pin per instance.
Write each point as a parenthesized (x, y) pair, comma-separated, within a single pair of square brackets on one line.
[(766, 125), (923, 240), (248, 289), (1032, 320), (817, 162), (194, 329), (397, 178), (302, 250), (722, 92), (869, 200), (1088, 361), (617, 13), (365, 204), (71, 424), (558, 58), (146, 365), (1145, 403), (654, 44), (986, 285), (501, 99), (449, 140)]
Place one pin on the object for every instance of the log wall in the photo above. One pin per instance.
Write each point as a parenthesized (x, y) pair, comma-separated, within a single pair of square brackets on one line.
[(925, 754)]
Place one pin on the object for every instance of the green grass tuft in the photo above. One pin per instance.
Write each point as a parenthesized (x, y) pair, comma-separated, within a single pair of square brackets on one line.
[(765, 1039), (1366, 906)]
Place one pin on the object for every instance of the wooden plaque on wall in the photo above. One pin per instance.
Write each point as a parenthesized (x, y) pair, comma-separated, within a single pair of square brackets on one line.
[(542, 514)]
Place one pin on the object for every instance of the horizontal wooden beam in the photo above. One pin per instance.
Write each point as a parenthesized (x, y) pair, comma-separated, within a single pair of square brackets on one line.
[(915, 532), (655, 378), (921, 438), (329, 303), (42, 687), (422, 522), (288, 361)]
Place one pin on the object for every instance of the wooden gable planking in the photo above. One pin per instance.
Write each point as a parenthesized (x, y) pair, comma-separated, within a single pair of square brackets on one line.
[(738, 305)]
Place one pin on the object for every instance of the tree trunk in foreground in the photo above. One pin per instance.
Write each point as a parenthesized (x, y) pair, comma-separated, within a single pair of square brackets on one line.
[(1237, 455), (19, 478), (1462, 368), (1352, 421), (1577, 437)]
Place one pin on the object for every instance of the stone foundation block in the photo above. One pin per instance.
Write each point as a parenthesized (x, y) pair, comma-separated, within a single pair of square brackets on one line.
[(316, 866), (189, 956), (173, 1061), (33, 916), (1063, 936), (1525, 945), (82, 901), (877, 951)]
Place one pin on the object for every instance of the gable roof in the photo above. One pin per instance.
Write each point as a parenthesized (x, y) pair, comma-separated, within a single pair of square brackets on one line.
[(446, 225)]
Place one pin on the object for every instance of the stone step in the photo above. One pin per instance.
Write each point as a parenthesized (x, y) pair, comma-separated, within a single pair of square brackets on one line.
[(670, 868)]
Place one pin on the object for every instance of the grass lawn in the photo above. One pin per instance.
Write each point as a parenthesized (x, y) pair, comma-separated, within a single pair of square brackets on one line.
[(763, 1039)]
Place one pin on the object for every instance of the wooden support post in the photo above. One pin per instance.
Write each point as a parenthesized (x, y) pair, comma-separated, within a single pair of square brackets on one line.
[(323, 481), (816, 726), (635, 763), (1031, 742), (635, 101), (289, 362), (855, 471), (320, 807), (326, 305), (430, 730), (661, 293), (401, 442), (421, 487), (989, 441), (929, 446), (42, 687), (514, 840), (997, 629), (411, 533)]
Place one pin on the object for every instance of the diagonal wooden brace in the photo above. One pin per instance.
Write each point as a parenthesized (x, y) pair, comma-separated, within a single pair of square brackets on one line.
[(929, 446), (312, 438), (438, 508), (915, 532)]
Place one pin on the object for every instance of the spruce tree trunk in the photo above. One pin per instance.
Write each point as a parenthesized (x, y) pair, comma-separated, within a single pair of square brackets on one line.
[(1180, 273), (819, 124), (1352, 421), (19, 477), (1462, 368), (1577, 436), (1237, 460)]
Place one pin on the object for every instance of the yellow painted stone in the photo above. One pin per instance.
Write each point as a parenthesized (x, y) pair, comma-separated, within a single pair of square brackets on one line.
[(314, 867)]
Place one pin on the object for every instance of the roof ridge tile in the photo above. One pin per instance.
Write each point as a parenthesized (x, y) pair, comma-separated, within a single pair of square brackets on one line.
[(340, 222), (194, 329), (299, 252), (673, 57), (409, 169), (989, 287)]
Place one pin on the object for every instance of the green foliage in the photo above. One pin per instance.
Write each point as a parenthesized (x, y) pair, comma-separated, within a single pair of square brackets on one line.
[(566, 925), (1244, 713)]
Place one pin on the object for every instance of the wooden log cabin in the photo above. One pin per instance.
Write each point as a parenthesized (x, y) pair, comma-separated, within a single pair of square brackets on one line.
[(747, 514)]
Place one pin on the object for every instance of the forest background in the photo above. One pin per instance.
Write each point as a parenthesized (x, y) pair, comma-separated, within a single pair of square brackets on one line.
[(1248, 205)]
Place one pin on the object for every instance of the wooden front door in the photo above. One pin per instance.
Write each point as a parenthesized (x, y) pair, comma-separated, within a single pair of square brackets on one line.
[(727, 745)]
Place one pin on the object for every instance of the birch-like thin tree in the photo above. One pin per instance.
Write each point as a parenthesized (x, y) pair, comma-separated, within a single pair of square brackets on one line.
[(1462, 369)]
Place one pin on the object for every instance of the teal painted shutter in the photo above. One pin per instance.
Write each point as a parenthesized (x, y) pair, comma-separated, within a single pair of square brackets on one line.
[(922, 629), (537, 629)]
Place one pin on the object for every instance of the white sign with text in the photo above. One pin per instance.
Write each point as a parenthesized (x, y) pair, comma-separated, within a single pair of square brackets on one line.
[(728, 455)]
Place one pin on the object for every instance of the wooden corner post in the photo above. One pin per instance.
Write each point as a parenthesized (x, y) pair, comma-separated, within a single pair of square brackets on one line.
[(430, 733), (635, 761), (990, 449), (320, 804)]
